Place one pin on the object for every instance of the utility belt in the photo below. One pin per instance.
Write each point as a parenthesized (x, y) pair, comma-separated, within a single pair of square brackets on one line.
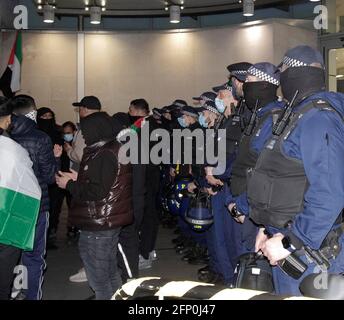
[(330, 249)]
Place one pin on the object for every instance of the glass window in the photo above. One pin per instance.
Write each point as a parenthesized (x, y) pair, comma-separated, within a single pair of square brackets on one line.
[(335, 15), (336, 70)]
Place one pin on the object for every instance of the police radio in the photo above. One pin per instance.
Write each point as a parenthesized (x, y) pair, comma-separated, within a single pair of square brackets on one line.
[(282, 123), (220, 120), (248, 131)]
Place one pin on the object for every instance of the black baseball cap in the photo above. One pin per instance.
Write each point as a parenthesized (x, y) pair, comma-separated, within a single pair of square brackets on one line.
[(89, 102)]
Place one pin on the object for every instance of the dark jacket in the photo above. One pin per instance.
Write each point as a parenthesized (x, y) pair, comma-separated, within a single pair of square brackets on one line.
[(40, 149), (122, 121), (102, 195)]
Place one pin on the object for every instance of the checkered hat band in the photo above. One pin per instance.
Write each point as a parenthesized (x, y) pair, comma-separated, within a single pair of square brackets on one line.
[(179, 104), (211, 109), (239, 72), (290, 62), (206, 98), (263, 76)]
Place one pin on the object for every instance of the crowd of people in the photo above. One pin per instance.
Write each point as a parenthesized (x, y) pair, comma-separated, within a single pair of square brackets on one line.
[(278, 198)]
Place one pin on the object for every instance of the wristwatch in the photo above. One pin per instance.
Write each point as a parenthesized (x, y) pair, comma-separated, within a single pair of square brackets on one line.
[(235, 213)]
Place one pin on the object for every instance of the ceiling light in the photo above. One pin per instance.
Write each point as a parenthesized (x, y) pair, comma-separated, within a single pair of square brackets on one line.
[(87, 8), (314, 0), (96, 15), (48, 14), (248, 8), (103, 9), (340, 76), (174, 14), (39, 7)]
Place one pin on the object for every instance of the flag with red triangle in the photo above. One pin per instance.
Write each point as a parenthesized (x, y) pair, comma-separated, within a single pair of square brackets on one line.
[(10, 80)]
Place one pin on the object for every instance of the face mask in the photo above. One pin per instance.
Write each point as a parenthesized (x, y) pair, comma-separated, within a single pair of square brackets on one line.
[(46, 125), (133, 119), (263, 91), (32, 115), (308, 80), (203, 121), (235, 92), (182, 122), (68, 137), (220, 105)]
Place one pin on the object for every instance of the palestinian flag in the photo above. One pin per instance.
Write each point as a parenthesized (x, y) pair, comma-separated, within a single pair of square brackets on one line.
[(20, 196), (10, 80)]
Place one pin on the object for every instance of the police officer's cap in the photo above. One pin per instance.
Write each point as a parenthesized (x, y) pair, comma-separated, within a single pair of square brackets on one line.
[(211, 106), (265, 71), (189, 111), (206, 96), (302, 56), (239, 70), (225, 86), (5, 107)]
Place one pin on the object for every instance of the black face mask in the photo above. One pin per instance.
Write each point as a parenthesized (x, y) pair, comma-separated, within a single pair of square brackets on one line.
[(263, 91), (46, 125), (308, 80), (133, 119)]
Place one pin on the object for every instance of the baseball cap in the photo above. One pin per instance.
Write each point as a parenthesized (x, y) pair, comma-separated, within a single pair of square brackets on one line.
[(89, 102)]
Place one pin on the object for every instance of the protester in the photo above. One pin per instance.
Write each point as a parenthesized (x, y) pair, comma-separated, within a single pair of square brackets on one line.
[(102, 203)]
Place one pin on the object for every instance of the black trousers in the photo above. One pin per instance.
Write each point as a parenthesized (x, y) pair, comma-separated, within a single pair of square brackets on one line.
[(56, 197), (9, 257), (128, 253), (150, 222)]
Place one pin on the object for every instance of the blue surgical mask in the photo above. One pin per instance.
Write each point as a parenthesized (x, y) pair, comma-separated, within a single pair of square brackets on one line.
[(68, 137), (203, 121), (220, 105), (182, 122)]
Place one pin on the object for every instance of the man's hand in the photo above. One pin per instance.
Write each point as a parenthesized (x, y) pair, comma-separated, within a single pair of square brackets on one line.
[(260, 239), (67, 147), (213, 181), (58, 151), (191, 187), (273, 249), (62, 180), (240, 219), (172, 172), (210, 191), (72, 174)]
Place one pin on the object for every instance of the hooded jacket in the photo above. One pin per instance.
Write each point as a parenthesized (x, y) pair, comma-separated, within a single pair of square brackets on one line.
[(39, 146), (102, 195)]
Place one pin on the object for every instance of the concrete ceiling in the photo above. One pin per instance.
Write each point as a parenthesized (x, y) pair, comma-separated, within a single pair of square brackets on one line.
[(156, 7)]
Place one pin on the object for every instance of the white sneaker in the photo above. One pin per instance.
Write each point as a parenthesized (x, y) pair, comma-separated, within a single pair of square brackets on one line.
[(79, 277), (153, 256), (144, 263)]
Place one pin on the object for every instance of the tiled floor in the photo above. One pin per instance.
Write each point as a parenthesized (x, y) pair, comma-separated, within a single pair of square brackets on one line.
[(65, 261)]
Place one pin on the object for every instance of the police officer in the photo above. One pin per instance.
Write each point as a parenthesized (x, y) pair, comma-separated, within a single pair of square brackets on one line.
[(296, 190), (227, 104), (204, 97), (260, 93)]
